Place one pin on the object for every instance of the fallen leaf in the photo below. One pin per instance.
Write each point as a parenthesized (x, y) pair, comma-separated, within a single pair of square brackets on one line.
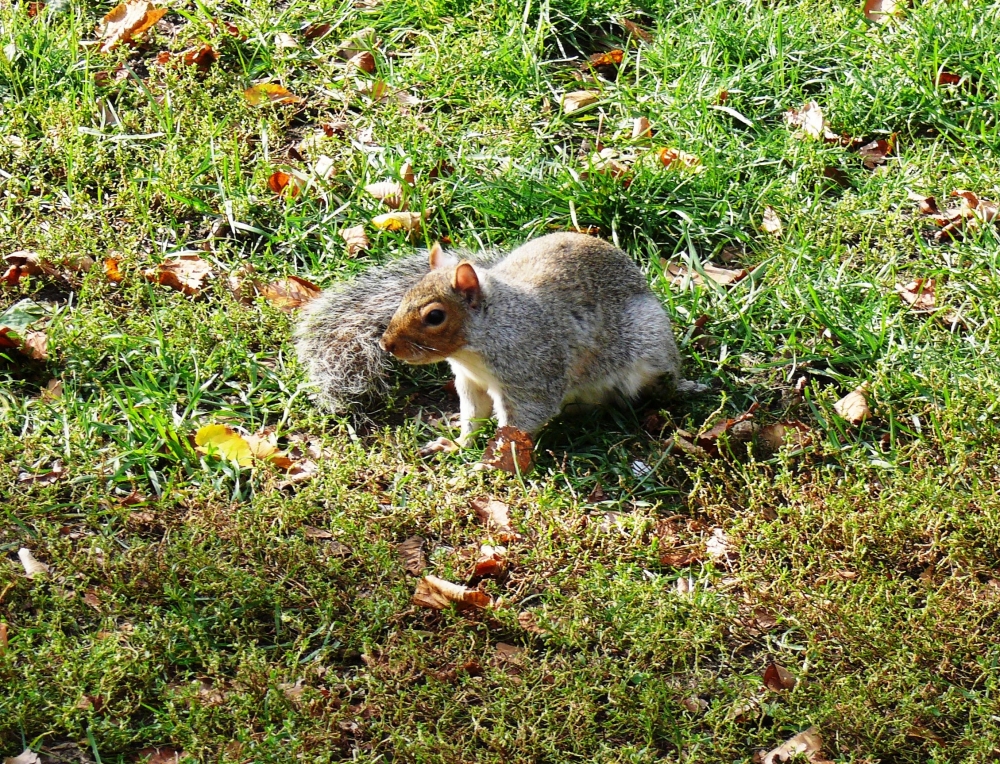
[(160, 756), (356, 238), (777, 435), (16, 330), (919, 295), (3, 638), (854, 406), (284, 41), (771, 223), (508, 653), (126, 21), (709, 440), (52, 391), (681, 557), (399, 221), (388, 192), (492, 561), (874, 154), (606, 162), (494, 515), (675, 158), (694, 704), (680, 273), (269, 93), (610, 58), (510, 450), (528, 621), (32, 567), (316, 31), (947, 78), (641, 128), (636, 30), (111, 271), (293, 690), (880, 11), (287, 184), (376, 90), (35, 7), (91, 598), (412, 552), (578, 99), (807, 742), (203, 57), (406, 174), (55, 473), (223, 442), (811, 123), (439, 446), (25, 757), (186, 273), (718, 547), (290, 293), (364, 61), (438, 594), (35, 345), (778, 678), (358, 42)]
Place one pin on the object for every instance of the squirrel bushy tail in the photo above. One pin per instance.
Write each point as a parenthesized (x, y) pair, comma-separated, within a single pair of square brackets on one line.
[(337, 339)]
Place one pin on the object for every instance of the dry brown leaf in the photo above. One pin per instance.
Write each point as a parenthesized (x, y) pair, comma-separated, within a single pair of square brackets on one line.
[(125, 22), (364, 61), (811, 123), (926, 205), (718, 546), (609, 58), (4, 643), (35, 345), (406, 174), (111, 271), (578, 99), (775, 436), (854, 406), (203, 57), (56, 472), (606, 162), (778, 678), (529, 622), (880, 11), (399, 221), (412, 553), (287, 184), (681, 557), (807, 743), (186, 273), (510, 450), (53, 390), (679, 273), (874, 154), (492, 561), (25, 757), (284, 41), (947, 78), (641, 128), (771, 223), (160, 756), (290, 293), (438, 594), (358, 42), (675, 158), (316, 31), (91, 598), (356, 238), (508, 653), (919, 295), (270, 93), (709, 440), (32, 567), (636, 30), (494, 515), (388, 192)]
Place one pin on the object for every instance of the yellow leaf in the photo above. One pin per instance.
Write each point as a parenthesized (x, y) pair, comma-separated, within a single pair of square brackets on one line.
[(268, 93), (222, 441)]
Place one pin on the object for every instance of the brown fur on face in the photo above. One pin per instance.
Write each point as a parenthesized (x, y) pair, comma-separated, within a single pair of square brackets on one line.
[(414, 335)]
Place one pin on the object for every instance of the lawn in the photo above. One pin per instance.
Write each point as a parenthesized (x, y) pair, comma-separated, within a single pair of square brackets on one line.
[(661, 563)]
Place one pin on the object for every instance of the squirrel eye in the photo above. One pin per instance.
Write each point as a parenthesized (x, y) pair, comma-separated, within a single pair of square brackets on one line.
[(435, 317)]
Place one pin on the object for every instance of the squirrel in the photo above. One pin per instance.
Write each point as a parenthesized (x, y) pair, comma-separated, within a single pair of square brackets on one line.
[(564, 319)]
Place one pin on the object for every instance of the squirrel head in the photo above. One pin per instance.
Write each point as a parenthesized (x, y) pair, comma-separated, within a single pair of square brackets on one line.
[(429, 325)]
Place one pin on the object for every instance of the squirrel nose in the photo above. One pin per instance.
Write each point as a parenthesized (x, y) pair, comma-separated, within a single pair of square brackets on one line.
[(387, 345)]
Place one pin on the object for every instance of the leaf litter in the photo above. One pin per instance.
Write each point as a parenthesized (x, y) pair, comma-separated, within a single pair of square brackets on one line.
[(438, 594)]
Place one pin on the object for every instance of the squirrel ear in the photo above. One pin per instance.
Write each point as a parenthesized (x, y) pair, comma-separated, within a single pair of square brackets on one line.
[(466, 281), (439, 259)]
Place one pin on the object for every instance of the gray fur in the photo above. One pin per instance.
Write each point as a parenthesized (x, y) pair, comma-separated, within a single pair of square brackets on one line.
[(337, 336), (568, 318)]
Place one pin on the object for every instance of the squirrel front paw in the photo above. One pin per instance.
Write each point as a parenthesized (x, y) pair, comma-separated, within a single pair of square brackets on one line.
[(441, 445)]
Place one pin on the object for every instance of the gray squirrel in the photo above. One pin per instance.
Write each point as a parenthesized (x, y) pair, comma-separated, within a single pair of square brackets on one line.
[(566, 318)]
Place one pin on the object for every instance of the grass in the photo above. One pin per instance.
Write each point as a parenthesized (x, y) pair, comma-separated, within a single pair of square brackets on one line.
[(205, 619)]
